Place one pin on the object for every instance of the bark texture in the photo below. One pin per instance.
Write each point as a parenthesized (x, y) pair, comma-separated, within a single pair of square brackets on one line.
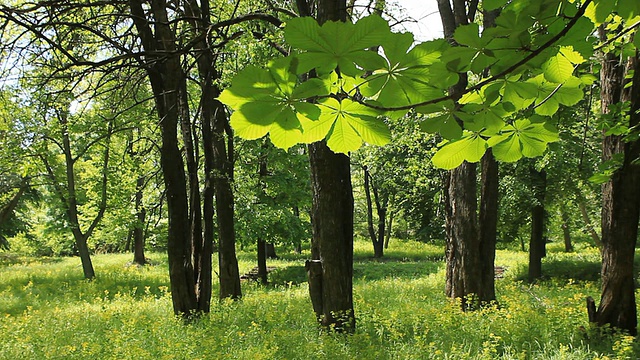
[(620, 199), (331, 269), (470, 243)]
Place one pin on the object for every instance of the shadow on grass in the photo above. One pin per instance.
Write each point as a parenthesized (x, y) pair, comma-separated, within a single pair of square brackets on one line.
[(368, 269), (565, 270)]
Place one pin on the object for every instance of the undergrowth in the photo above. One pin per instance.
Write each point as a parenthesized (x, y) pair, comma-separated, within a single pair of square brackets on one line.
[(48, 311)]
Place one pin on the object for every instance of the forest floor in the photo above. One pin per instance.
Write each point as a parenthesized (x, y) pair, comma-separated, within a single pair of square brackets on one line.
[(48, 311)]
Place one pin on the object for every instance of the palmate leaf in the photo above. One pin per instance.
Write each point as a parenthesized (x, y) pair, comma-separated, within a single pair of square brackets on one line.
[(270, 100), (522, 138), (444, 120), (552, 95), (471, 148), (559, 68), (406, 78), (337, 44), (349, 124)]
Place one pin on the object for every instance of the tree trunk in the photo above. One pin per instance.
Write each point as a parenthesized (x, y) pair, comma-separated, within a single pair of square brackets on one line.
[(566, 232), (488, 226), (463, 250), (262, 245), (620, 199), (270, 251), (331, 268), (138, 230), (392, 212), (377, 238), (7, 209), (168, 82), (227, 260), (332, 243), (537, 243)]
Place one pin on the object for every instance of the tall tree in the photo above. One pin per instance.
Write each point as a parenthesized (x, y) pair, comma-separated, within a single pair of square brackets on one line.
[(470, 241), (331, 268), (620, 104)]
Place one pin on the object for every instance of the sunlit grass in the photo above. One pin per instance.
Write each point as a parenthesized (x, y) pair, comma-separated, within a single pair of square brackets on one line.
[(48, 311)]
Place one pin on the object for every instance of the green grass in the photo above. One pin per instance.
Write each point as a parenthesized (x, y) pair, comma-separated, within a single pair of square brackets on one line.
[(47, 311)]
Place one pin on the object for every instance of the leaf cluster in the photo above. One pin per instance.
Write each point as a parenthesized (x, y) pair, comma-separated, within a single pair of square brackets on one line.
[(363, 72)]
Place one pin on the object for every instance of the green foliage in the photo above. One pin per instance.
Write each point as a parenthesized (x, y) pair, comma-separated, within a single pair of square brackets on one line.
[(48, 311), (371, 71)]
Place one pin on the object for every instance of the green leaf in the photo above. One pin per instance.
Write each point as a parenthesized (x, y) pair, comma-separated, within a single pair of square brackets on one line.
[(270, 101), (470, 148), (247, 129), (573, 56), (558, 69), (523, 138), (336, 43), (468, 35), (286, 132), (405, 80), (508, 150), (519, 93), (349, 123), (444, 121)]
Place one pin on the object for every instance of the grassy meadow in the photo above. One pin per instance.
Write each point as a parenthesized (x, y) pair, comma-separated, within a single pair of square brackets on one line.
[(48, 311)]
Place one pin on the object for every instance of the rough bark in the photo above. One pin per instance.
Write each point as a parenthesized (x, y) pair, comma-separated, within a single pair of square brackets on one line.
[(229, 274), (331, 269), (332, 215), (488, 226), (470, 247), (537, 242), (620, 200), (463, 281)]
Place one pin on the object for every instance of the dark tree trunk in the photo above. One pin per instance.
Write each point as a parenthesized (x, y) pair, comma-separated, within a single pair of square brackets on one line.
[(331, 268), (387, 236), (332, 244), (138, 230), (620, 200), (7, 209), (488, 225), (298, 242), (377, 237), (223, 170), (537, 243), (463, 244), (270, 250), (262, 261), (467, 254), (168, 82), (566, 232)]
